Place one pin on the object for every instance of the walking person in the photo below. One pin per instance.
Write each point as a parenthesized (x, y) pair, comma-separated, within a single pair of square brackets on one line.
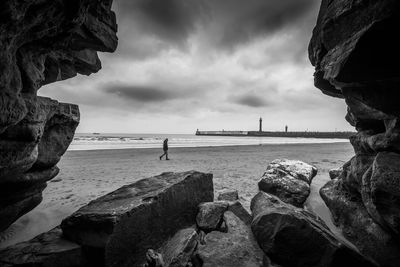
[(165, 148)]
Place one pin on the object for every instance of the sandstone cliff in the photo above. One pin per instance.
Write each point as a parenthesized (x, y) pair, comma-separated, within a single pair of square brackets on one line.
[(42, 41), (355, 52)]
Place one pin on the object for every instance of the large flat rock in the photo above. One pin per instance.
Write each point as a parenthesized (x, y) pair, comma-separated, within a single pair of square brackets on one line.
[(140, 216)]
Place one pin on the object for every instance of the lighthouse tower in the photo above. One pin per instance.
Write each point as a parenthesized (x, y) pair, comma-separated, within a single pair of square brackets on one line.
[(260, 130)]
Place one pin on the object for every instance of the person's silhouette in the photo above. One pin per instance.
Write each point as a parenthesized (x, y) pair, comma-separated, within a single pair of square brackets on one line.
[(165, 148)]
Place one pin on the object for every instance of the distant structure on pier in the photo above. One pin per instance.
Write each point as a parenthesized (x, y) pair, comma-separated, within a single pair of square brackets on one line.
[(286, 133)]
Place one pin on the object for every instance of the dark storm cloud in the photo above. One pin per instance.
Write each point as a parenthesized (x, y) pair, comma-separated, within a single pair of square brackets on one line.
[(245, 20), (140, 93), (250, 100), (150, 26), (170, 20)]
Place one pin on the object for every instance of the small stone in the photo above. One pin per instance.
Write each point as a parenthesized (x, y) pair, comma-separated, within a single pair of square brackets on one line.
[(228, 195), (210, 215)]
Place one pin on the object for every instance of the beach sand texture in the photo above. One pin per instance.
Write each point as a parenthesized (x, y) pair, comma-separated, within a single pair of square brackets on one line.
[(86, 175)]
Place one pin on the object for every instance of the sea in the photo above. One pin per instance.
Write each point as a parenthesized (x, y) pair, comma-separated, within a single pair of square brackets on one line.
[(100, 141)]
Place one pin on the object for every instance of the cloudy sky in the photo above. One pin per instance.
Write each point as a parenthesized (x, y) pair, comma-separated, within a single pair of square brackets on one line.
[(208, 64)]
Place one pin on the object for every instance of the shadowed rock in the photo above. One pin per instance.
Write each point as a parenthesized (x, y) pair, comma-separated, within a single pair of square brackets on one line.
[(48, 249), (350, 215), (139, 216), (178, 251), (356, 55), (210, 215), (237, 247), (294, 237), (335, 173), (42, 41), (44, 136)]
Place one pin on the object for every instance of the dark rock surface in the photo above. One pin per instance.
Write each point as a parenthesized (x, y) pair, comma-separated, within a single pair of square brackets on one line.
[(178, 251), (335, 173), (237, 247), (356, 55), (228, 195), (27, 164), (48, 249), (210, 215), (350, 215), (291, 236), (289, 180), (128, 221), (42, 41)]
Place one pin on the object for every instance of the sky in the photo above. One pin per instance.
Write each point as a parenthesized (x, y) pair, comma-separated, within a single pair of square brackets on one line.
[(183, 65)]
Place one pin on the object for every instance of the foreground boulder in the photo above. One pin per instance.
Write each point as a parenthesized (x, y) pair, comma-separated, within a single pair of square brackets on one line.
[(289, 180), (136, 217), (42, 41), (350, 215), (48, 249), (293, 237), (237, 247)]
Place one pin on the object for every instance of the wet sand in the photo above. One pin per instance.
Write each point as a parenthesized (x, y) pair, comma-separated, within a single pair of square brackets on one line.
[(86, 175)]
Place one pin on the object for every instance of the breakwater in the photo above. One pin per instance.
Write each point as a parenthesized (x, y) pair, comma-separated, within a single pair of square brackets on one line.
[(307, 134)]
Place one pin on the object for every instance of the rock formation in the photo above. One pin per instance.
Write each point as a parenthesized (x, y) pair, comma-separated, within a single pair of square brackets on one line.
[(289, 180), (294, 237), (355, 52), (152, 221), (124, 223), (42, 41)]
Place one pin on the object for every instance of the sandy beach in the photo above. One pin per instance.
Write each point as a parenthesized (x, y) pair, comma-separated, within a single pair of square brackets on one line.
[(86, 175)]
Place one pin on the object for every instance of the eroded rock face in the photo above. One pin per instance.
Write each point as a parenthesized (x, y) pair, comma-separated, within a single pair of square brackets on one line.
[(42, 41), (350, 214), (355, 54)]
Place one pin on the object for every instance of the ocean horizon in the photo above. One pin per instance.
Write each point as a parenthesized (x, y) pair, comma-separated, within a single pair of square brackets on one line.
[(100, 141)]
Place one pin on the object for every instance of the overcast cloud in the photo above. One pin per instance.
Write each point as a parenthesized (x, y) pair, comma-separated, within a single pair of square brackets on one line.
[(208, 64)]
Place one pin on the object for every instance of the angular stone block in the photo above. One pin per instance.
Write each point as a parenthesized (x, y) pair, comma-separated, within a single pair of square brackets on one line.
[(136, 217)]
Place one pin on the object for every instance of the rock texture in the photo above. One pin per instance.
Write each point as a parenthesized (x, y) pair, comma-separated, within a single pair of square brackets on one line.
[(237, 247), (289, 180), (42, 41), (228, 195), (48, 249), (355, 54), (128, 221), (357, 225), (210, 216), (294, 237)]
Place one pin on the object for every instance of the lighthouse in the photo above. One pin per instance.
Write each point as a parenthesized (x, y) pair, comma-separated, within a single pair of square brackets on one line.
[(260, 130)]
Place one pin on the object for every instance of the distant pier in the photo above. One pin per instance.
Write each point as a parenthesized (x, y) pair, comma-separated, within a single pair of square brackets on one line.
[(340, 135)]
